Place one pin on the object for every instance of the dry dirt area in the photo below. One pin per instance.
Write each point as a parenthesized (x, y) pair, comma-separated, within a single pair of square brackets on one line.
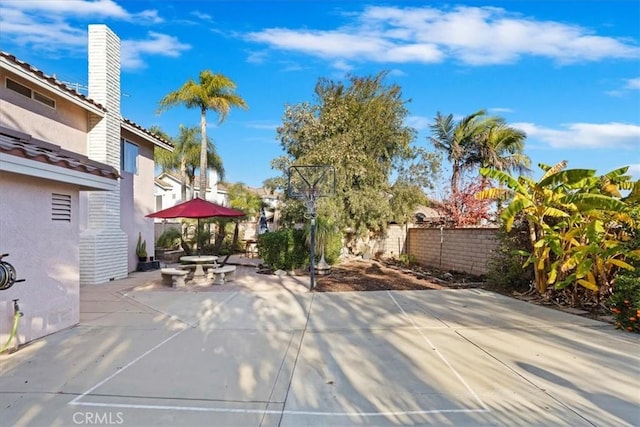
[(372, 275)]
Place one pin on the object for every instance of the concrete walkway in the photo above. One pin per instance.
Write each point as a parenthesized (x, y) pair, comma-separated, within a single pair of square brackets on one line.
[(263, 351)]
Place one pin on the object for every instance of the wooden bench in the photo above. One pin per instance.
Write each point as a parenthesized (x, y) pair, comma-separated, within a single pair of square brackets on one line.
[(173, 277), (220, 275)]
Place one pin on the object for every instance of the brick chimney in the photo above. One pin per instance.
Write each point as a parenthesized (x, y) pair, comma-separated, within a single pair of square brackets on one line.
[(103, 244)]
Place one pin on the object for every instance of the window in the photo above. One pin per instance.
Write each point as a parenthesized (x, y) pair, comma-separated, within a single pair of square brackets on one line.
[(43, 99), (60, 207), (129, 157), (17, 87), (25, 91)]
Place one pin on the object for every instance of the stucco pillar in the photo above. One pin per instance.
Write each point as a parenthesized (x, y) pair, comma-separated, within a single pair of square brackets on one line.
[(103, 244)]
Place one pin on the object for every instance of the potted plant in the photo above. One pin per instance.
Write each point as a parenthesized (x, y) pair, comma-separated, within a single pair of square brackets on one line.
[(141, 249)]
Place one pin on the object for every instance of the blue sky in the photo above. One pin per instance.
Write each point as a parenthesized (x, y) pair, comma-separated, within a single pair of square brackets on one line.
[(566, 72)]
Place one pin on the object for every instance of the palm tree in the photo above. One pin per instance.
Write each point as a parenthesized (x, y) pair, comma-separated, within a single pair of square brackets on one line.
[(190, 161), (477, 141), (501, 148), (212, 92), (186, 156), (456, 139)]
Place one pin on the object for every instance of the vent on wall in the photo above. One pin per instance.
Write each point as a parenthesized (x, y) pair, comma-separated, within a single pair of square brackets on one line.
[(60, 207)]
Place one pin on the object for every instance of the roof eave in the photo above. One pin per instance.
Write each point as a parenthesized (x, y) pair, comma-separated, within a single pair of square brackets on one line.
[(147, 137), (16, 69)]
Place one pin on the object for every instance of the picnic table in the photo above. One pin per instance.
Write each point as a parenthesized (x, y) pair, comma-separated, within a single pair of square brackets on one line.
[(199, 260)]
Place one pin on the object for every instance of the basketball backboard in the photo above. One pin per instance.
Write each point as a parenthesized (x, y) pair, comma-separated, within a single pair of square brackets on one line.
[(311, 181)]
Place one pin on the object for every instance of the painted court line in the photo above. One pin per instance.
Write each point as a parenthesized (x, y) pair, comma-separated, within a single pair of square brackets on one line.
[(446, 362), (277, 412), (76, 401), (119, 371)]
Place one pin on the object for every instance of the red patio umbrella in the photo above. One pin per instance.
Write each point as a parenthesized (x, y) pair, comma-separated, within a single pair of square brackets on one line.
[(197, 208)]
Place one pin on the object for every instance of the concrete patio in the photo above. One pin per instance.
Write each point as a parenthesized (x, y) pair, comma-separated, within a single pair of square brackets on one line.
[(263, 351)]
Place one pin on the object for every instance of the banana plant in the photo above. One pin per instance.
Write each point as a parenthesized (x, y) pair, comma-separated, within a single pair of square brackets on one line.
[(536, 201), (574, 219)]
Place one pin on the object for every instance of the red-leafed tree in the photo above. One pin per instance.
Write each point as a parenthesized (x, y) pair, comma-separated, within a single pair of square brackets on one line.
[(464, 208)]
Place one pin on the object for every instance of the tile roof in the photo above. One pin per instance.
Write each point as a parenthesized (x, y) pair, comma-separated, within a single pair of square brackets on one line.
[(50, 79), (55, 82), (162, 183), (19, 144), (147, 132)]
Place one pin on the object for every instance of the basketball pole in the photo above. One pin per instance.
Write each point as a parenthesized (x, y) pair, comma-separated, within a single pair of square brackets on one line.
[(312, 251), (311, 190)]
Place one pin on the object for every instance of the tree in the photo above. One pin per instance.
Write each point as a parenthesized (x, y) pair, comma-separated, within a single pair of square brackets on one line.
[(499, 147), (185, 158), (212, 92), (243, 198), (464, 208), (358, 128), (455, 139), (475, 141), (575, 223)]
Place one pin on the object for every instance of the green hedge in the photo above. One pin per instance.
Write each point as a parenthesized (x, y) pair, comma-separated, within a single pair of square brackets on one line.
[(283, 249)]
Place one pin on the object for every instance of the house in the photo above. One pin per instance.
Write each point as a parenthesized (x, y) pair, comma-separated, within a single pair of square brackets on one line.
[(167, 193), (168, 190), (76, 181)]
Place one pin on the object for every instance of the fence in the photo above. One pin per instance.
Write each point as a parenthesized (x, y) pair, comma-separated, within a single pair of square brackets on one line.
[(459, 249)]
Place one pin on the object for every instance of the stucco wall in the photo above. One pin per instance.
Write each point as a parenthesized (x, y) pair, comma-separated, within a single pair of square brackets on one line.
[(458, 249), (44, 252), (66, 125), (137, 200)]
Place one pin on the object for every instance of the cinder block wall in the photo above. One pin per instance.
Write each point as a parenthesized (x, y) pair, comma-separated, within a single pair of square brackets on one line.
[(393, 244), (459, 249)]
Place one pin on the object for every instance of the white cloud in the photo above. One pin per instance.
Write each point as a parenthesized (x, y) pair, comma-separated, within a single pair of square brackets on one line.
[(325, 44), (633, 83), (101, 8), (501, 110), (79, 8), (46, 25), (26, 29), (397, 72), (472, 35), (634, 170), (418, 122), (629, 85), (202, 16), (157, 44), (262, 125), (611, 135), (342, 66), (256, 57)]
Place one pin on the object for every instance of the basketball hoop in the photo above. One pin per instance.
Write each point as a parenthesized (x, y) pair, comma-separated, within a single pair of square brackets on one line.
[(308, 183)]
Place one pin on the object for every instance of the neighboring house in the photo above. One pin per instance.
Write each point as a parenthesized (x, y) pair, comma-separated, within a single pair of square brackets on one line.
[(167, 190), (76, 181)]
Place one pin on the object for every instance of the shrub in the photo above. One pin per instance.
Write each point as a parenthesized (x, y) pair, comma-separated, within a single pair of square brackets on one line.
[(504, 269), (625, 301), (283, 249), (408, 259), (169, 239), (333, 248)]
